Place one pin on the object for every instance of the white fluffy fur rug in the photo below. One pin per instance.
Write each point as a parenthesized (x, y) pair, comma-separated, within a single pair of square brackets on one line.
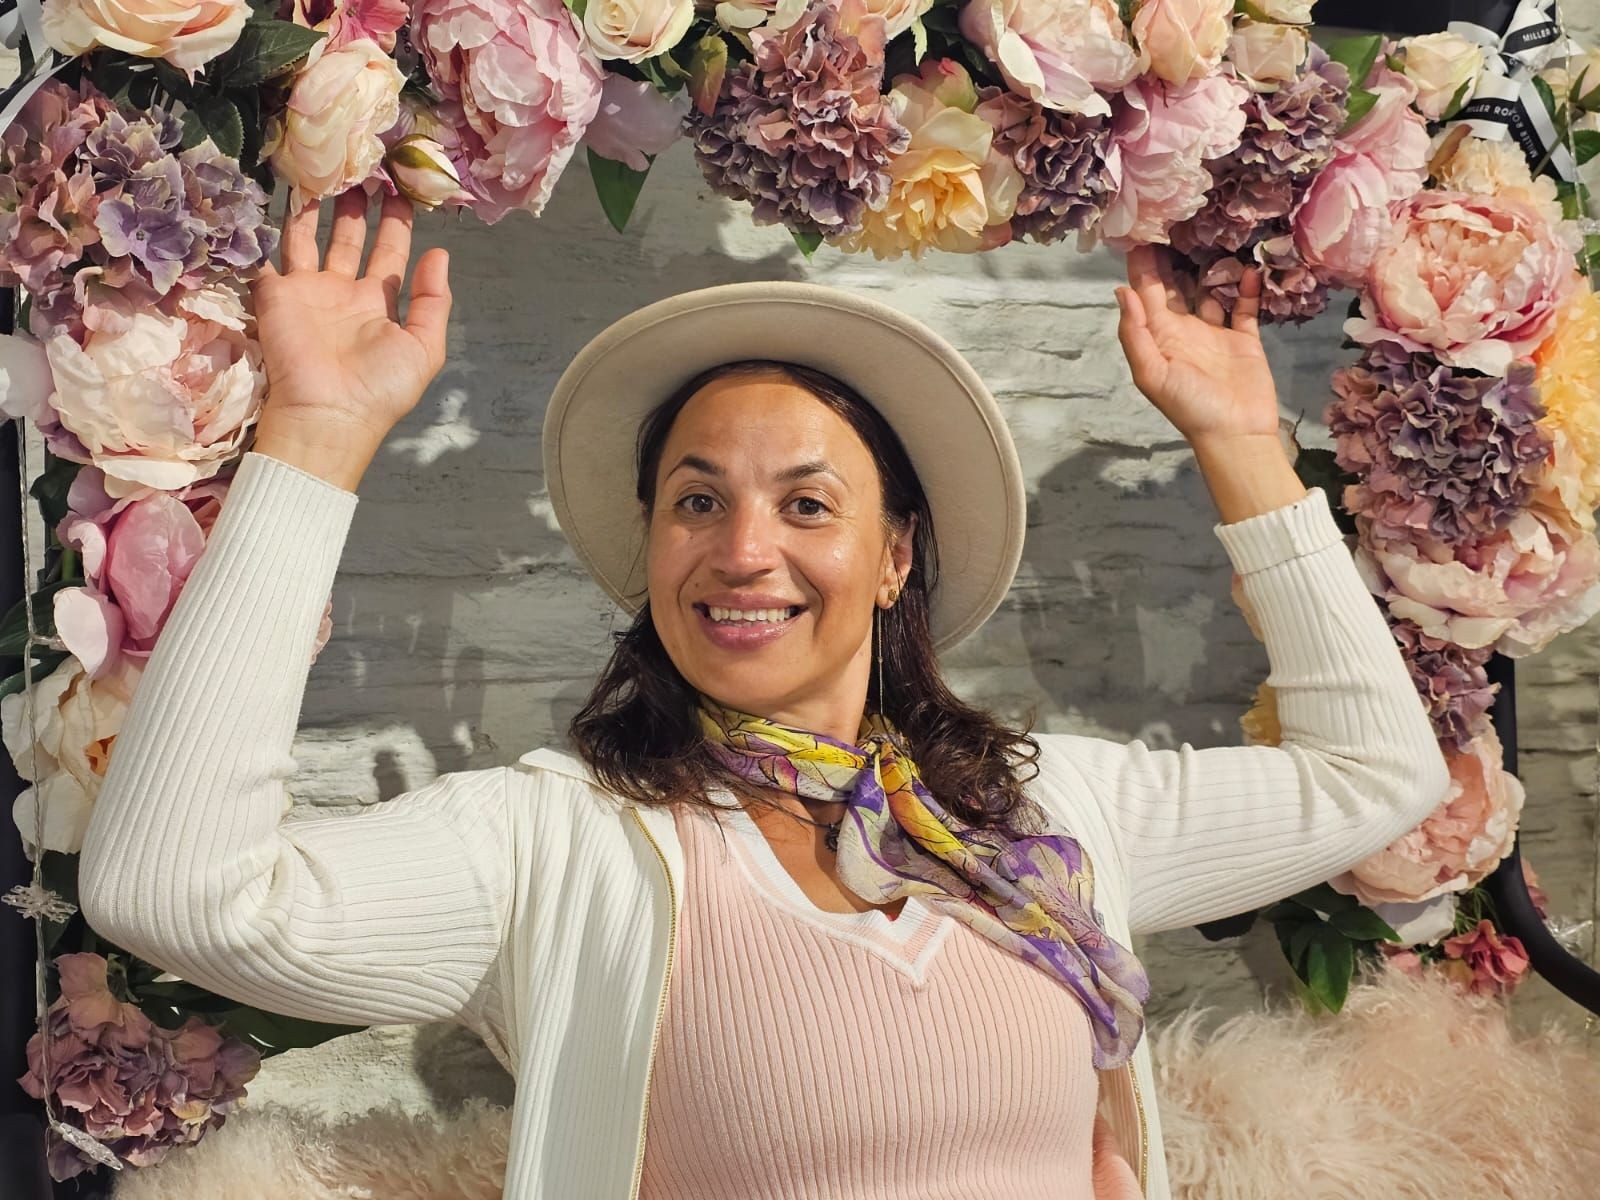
[(1412, 1093)]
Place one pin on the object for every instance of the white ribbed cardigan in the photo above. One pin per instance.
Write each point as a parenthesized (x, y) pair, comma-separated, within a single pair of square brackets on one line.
[(530, 906)]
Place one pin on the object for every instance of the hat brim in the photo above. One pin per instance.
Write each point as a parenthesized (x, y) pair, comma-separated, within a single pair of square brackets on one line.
[(950, 425)]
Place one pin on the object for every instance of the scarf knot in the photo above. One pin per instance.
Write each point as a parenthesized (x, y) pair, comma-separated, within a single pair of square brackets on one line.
[(1030, 895)]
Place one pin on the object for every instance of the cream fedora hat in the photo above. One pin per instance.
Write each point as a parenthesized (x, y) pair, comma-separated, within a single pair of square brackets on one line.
[(945, 417)]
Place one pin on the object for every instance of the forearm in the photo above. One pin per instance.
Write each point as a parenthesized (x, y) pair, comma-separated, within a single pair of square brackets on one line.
[(1247, 474)]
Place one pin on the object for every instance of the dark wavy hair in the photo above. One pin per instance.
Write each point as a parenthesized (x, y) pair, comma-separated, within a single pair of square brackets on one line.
[(638, 730)]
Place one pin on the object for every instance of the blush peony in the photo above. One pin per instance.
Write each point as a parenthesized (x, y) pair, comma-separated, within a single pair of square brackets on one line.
[(1457, 845), (1060, 53), (1183, 39)]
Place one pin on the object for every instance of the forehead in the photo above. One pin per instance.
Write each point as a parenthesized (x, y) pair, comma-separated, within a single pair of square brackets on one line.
[(765, 421)]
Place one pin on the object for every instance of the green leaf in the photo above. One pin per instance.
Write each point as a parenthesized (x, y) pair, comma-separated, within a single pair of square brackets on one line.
[(215, 117), (1586, 144), (919, 39), (617, 185), (1330, 962), (1301, 939), (50, 489), (577, 6), (808, 241), (1357, 53), (708, 64), (1547, 96), (273, 1033), (1457, 100), (1363, 925), (265, 50), (14, 625), (1358, 106), (1325, 900)]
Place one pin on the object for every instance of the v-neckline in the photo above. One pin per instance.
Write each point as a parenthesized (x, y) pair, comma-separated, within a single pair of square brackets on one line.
[(907, 942)]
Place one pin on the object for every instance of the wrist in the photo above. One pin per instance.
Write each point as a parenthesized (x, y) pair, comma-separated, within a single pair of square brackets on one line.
[(1247, 474), (337, 455)]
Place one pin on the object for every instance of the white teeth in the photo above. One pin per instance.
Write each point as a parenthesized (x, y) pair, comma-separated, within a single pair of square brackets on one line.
[(747, 614)]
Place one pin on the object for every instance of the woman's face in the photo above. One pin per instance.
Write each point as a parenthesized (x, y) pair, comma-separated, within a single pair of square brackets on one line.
[(768, 553)]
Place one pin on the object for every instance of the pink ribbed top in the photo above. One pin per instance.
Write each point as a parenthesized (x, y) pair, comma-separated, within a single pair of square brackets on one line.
[(855, 1056)]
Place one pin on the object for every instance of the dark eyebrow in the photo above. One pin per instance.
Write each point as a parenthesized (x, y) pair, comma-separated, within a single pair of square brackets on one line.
[(787, 475)]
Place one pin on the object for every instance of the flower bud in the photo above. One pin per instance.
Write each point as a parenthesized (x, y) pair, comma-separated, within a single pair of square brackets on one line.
[(423, 171)]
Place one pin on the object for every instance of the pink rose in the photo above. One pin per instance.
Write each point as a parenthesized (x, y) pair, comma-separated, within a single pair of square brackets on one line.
[(327, 138), (167, 400), (1057, 52), (1483, 962), (346, 21), (1457, 845), (1343, 218), (1184, 39), (1516, 590), (137, 553), (634, 120), (520, 86), (1476, 280), (1161, 136)]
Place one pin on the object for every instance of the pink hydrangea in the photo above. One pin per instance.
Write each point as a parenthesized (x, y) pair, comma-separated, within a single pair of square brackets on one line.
[(1457, 845), (129, 1083), (1484, 962), (520, 85), (1476, 280), (1163, 135)]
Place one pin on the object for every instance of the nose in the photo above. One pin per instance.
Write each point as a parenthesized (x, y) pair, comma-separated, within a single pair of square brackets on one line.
[(745, 545)]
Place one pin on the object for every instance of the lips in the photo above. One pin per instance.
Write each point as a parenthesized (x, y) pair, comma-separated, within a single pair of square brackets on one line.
[(742, 633)]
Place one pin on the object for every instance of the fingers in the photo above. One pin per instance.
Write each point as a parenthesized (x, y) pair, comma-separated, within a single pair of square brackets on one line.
[(392, 249), (1210, 309), (1247, 309), (1144, 276), (299, 241), (1138, 343), (428, 314), (349, 234)]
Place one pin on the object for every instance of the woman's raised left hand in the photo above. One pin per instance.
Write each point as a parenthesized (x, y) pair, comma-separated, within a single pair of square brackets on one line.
[(1205, 371)]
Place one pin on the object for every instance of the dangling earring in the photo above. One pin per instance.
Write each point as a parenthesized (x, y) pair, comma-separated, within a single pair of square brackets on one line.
[(877, 627)]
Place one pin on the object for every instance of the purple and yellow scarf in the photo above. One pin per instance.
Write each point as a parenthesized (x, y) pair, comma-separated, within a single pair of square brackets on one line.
[(1032, 896)]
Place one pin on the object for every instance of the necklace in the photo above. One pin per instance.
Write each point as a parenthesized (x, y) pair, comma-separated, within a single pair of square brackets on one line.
[(831, 837)]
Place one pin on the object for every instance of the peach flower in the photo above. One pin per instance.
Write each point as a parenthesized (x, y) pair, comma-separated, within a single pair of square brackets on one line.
[(1457, 845), (947, 189), (186, 34), (1483, 168), (1059, 53), (65, 750), (167, 400), (1475, 280), (1567, 373), (327, 139), (1266, 54), (634, 30), (1183, 39)]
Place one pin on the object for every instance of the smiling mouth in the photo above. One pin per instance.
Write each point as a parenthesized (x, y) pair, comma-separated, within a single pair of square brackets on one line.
[(755, 616)]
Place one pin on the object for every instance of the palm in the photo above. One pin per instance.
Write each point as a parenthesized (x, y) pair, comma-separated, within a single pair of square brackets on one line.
[(332, 342), (1205, 376)]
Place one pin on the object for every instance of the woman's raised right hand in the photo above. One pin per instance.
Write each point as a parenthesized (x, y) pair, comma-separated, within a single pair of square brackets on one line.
[(342, 368)]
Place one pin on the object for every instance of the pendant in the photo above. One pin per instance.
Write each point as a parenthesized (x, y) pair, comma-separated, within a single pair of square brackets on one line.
[(832, 837)]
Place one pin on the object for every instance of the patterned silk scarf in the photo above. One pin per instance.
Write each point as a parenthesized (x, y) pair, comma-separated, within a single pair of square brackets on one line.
[(1033, 896)]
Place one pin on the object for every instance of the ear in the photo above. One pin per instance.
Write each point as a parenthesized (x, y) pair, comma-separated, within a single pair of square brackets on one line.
[(897, 564)]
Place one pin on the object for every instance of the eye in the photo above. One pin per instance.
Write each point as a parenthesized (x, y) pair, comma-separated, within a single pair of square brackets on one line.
[(820, 509), (686, 504)]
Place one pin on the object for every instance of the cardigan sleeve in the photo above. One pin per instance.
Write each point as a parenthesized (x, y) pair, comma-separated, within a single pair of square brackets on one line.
[(391, 914), (1207, 833)]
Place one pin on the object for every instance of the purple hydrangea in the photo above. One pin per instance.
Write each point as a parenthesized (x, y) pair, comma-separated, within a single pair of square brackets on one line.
[(802, 130), (99, 208), (1450, 454), (1067, 182), (137, 1087), (1452, 681)]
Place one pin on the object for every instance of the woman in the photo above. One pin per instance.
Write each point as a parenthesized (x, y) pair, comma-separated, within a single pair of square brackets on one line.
[(793, 920)]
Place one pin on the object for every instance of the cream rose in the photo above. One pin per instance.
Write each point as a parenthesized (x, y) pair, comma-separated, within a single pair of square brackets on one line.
[(328, 138), (1267, 54), (634, 30), (1440, 64), (186, 34), (1183, 39), (1294, 12)]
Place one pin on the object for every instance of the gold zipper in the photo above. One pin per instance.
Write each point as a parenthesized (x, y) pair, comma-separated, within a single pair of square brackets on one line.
[(1144, 1132), (666, 975)]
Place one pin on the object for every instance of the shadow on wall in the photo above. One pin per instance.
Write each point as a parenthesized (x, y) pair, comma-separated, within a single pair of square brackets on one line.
[(1123, 602)]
